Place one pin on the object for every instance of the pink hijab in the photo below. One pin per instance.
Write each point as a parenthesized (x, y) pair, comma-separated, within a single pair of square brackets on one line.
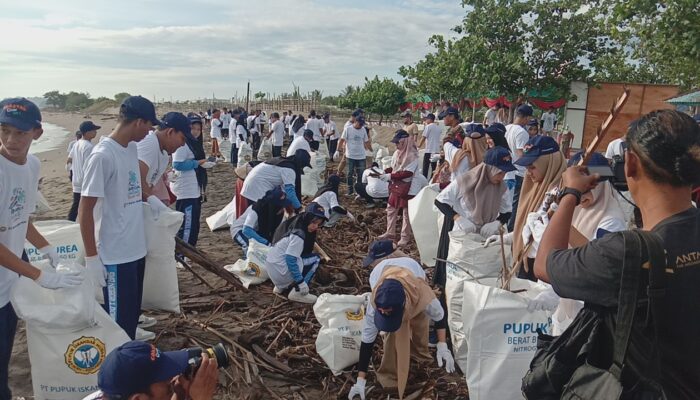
[(407, 153)]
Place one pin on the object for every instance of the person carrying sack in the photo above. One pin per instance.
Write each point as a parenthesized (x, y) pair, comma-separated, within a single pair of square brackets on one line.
[(637, 335)]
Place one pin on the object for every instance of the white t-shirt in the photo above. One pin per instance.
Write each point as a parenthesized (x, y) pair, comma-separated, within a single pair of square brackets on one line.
[(71, 144), (241, 133), (19, 185), (376, 187), (298, 143), (225, 120), (276, 263), (185, 185), (215, 131), (315, 126), (450, 153), (155, 159), (232, 126), (614, 149), (327, 200), (549, 120), (277, 129), (79, 155), (517, 137), (287, 121), (112, 175), (432, 134), (433, 309), (249, 121), (264, 177), (330, 127), (452, 197), (491, 116), (355, 140)]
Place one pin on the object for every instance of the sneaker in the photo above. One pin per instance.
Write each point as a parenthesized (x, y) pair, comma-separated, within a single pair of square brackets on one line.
[(146, 322), (370, 205), (144, 335), (294, 295)]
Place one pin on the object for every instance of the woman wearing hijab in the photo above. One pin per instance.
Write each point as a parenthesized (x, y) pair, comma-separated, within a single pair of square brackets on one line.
[(290, 262), (279, 171), (327, 197), (404, 166), (241, 136), (298, 126), (496, 136), (262, 219), (545, 164)]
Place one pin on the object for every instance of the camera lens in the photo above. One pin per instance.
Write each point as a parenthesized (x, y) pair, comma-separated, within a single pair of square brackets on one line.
[(194, 355)]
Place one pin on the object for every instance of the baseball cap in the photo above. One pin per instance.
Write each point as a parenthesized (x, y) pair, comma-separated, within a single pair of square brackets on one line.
[(500, 158), (532, 122), (390, 299), (134, 366), (452, 111), (358, 112), (406, 113), (525, 110), (179, 122), (316, 210), (496, 128), (87, 126), (535, 147), (308, 134), (194, 118), (430, 116), (378, 249), (361, 120), (303, 158), (400, 134), (20, 113), (139, 107), (596, 159), (475, 131)]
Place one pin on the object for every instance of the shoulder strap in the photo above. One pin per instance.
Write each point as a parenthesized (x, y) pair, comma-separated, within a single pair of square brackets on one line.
[(656, 290), (627, 299)]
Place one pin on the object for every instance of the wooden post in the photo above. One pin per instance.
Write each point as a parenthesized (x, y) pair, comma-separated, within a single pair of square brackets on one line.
[(247, 98)]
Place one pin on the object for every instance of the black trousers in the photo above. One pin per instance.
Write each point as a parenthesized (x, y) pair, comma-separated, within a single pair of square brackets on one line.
[(332, 146), (189, 230), (516, 201), (427, 164), (276, 151), (73, 213), (234, 155), (256, 142)]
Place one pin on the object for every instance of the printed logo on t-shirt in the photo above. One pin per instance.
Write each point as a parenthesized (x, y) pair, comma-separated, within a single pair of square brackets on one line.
[(17, 201), (134, 187)]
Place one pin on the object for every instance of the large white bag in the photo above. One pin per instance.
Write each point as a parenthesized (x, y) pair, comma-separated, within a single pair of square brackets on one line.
[(312, 177), (160, 286), (221, 218), (502, 337), (323, 148), (64, 236), (252, 270), (467, 250), (245, 154), (68, 337), (339, 339), (265, 150), (422, 214), (225, 149)]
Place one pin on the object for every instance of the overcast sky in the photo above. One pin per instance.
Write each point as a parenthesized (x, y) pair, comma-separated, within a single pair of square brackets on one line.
[(189, 49)]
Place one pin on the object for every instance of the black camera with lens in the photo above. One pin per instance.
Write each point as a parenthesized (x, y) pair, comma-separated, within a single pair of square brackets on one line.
[(194, 357)]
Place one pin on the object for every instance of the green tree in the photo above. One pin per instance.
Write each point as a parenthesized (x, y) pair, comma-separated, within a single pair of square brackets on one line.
[(55, 99), (380, 96), (77, 101), (259, 95), (120, 97)]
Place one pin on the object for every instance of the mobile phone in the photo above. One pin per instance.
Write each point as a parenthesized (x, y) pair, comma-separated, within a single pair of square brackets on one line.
[(605, 172)]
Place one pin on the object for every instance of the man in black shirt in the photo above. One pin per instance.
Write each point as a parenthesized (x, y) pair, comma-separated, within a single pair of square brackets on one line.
[(662, 163)]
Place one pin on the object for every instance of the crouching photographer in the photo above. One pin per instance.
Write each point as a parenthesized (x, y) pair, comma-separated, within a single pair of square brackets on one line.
[(637, 335), (139, 371)]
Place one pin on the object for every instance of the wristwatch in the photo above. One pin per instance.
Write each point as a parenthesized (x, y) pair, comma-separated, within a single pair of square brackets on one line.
[(570, 191)]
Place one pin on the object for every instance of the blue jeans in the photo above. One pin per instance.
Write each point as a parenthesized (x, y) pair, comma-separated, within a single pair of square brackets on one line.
[(355, 167), (8, 327), (123, 294)]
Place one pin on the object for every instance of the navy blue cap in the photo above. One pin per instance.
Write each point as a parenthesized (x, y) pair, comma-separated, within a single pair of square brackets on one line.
[(87, 126), (390, 299), (358, 112), (316, 210), (532, 122), (179, 122), (139, 107), (430, 116), (524, 109), (309, 134), (400, 134), (452, 111), (535, 147), (496, 128), (302, 158), (134, 366), (696, 117), (194, 118), (500, 158), (20, 113), (360, 119), (378, 249), (474, 131), (596, 159)]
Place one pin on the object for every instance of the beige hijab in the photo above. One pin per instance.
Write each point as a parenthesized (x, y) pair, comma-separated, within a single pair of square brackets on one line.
[(418, 296), (605, 204), (483, 197), (532, 194), (406, 153)]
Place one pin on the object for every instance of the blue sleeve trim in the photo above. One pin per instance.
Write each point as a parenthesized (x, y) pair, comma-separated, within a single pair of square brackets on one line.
[(293, 267), (186, 165), (252, 234), (292, 195)]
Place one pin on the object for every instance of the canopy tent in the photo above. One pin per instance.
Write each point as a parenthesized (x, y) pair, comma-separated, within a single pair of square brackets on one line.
[(688, 99)]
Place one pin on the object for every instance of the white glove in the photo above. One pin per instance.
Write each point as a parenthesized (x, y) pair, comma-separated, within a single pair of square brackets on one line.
[(55, 280), (435, 157), (349, 215), (303, 288), (547, 301), (358, 389), (96, 270), (208, 164), (465, 225), (156, 206), (50, 252), (385, 177), (490, 229), (496, 239), (366, 298), (336, 156), (444, 354), (535, 225)]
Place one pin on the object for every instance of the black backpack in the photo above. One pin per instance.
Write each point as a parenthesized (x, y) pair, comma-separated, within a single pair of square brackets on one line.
[(576, 365)]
